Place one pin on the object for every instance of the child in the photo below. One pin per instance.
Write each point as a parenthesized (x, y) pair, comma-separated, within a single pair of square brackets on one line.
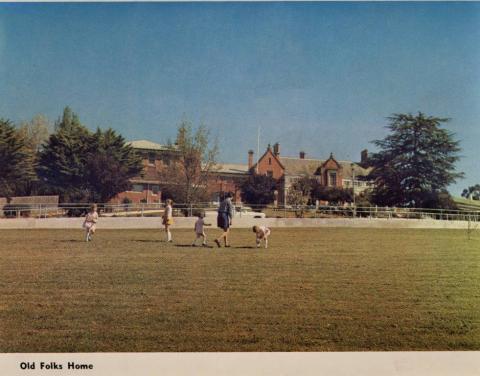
[(199, 231), (90, 222), (168, 219), (262, 232)]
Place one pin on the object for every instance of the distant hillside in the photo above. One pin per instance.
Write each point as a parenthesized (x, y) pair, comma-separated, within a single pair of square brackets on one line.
[(465, 204)]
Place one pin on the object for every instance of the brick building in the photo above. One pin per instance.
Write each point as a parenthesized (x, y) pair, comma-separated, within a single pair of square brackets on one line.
[(147, 186), (228, 177), (329, 172)]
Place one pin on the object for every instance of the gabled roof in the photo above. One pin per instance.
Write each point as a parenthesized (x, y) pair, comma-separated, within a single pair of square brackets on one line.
[(299, 166), (273, 155), (308, 166), (147, 145)]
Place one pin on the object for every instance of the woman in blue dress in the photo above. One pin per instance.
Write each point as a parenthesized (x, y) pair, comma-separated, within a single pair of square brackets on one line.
[(224, 218)]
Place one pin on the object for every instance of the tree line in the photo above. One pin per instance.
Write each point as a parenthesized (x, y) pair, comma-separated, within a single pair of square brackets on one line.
[(414, 165), (70, 161)]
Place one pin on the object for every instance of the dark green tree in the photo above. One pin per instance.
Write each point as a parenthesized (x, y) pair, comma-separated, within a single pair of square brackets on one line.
[(16, 164), (259, 189), (417, 159), (472, 192), (85, 167), (440, 199), (63, 161), (110, 164)]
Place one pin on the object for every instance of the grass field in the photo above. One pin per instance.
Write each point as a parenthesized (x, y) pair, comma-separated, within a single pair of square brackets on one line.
[(312, 290)]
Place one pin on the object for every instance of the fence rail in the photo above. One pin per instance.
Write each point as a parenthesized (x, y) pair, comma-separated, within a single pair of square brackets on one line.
[(156, 210)]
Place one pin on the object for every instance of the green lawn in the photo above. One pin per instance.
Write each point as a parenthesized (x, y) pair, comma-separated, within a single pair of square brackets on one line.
[(312, 290)]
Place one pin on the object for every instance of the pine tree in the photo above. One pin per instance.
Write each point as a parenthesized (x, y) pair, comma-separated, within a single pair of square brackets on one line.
[(62, 163), (16, 165), (110, 165), (85, 167), (417, 159)]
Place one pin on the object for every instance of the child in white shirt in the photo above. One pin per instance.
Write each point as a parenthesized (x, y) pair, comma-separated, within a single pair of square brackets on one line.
[(199, 231), (262, 232), (90, 223)]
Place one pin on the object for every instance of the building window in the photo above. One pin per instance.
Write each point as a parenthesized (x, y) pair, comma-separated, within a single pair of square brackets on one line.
[(332, 179), (155, 189), (151, 158), (166, 160), (137, 187), (270, 174), (270, 161)]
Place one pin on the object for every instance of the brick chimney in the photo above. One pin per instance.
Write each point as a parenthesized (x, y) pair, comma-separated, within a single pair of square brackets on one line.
[(302, 155), (364, 157), (276, 149), (250, 159)]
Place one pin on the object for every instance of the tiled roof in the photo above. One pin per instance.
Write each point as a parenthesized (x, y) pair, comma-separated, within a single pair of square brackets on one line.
[(147, 145), (307, 166)]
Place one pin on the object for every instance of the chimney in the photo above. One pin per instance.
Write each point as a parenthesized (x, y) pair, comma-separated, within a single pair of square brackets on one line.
[(302, 155), (250, 159), (276, 149), (364, 157)]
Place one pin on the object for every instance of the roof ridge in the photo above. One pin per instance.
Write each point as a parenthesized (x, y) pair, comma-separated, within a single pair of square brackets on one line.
[(303, 159)]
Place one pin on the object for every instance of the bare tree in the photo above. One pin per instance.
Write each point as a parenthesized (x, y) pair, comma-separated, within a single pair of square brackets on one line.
[(188, 174), (36, 133)]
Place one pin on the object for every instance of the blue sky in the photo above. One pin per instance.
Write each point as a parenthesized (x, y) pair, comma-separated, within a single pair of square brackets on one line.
[(319, 77)]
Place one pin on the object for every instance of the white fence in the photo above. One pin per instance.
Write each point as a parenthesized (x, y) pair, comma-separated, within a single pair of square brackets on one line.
[(43, 211)]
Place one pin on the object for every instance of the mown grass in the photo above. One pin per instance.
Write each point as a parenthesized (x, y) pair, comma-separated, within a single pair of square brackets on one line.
[(312, 290)]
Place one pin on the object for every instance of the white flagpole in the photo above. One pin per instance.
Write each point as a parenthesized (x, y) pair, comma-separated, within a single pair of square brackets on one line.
[(258, 147)]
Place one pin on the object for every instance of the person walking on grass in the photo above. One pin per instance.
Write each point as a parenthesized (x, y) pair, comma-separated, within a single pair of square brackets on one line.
[(224, 219), (199, 231), (167, 220), (90, 223)]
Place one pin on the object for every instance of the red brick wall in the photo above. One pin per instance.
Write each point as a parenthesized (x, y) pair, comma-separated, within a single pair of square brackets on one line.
[(219, 183), (269, 163), (150, 172)]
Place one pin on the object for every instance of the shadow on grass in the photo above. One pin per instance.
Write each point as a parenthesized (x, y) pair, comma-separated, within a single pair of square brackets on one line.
[(193, 246), (71, 241), (148, 241), (235, 247)]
